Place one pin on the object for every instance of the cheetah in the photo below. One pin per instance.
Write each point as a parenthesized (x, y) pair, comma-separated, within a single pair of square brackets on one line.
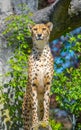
[(40, 74)]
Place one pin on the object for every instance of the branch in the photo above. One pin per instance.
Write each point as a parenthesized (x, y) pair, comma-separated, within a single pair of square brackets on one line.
[(65, 15)]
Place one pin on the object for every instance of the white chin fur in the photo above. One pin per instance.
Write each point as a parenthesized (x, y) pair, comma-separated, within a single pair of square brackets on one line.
[(40, 44)]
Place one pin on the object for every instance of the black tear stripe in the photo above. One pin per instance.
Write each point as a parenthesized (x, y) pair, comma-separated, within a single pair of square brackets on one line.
[(34, 85)]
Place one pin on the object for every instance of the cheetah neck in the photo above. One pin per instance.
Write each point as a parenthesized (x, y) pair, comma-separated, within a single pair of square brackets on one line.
[(39, 49), (40, 44)]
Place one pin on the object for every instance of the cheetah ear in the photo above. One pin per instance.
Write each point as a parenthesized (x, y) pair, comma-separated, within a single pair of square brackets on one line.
[(30, 27), (50, 25)]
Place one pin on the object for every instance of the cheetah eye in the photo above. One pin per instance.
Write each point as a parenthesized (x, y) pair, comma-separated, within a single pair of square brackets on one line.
[(35, 29), (43, 29)]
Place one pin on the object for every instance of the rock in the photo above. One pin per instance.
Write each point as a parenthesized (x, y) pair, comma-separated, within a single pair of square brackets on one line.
[(61, 116)]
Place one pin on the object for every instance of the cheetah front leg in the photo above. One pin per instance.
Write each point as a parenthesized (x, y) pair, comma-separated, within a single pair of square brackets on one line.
[(34, 106), (46, 102)]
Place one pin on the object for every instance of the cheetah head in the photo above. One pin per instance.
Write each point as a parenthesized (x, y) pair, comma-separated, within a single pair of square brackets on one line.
[(40, 32)]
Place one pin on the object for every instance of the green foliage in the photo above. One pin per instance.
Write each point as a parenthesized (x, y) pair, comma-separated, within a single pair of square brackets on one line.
[(17, 39), (55, 126), (67, 85), (77, 47)]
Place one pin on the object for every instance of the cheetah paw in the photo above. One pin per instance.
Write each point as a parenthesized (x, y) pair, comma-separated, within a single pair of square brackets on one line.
[(45, 125), (41, 125)]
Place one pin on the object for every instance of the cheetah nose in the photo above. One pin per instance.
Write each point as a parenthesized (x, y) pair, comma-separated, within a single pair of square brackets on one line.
[(39, 35)]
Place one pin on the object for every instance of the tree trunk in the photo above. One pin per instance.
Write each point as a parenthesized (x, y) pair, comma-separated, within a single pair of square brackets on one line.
[(65, 15)]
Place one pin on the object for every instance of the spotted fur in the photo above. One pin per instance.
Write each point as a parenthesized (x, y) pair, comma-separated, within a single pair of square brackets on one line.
[(40, 73)]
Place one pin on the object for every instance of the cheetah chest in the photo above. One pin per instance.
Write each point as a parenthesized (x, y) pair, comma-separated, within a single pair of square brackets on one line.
[(41, 67)]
